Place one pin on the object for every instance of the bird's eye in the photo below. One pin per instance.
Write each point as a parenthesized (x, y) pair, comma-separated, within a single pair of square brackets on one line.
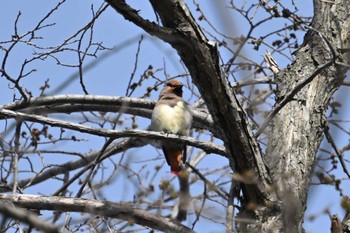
[(170, 85)]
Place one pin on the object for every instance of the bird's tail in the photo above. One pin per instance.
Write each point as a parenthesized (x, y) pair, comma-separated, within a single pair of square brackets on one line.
[(173, 157)]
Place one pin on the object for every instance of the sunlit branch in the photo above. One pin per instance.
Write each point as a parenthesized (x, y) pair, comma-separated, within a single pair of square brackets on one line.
[(9, 210), (209, 147), (102, 208)]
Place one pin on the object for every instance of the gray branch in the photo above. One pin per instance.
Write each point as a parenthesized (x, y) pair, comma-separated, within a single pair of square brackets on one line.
[(77, 103), (10, 211), (208, 147), (102, 208)]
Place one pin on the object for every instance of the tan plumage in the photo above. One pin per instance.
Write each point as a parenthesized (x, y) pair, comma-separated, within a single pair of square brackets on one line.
[(173, 115)]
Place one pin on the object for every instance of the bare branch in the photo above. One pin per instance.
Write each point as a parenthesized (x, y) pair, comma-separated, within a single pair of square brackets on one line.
[(77, 103), (209, 147), (133, 16), (103, 208), (73, 165), (26, 216), (337, 152)]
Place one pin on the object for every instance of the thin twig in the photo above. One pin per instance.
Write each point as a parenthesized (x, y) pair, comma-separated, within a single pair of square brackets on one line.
[(74, 165), (207, 182), (101, 156), (335, 148), (93, 165), (198, 213), (129, 87)]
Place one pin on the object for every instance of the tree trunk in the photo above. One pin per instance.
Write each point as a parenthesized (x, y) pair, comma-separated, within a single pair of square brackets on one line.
[(297, 130)]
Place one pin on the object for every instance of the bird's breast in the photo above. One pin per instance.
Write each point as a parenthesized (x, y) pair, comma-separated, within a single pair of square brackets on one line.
[(175, 119)]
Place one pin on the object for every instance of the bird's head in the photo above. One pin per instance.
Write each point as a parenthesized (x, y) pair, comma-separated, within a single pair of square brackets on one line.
[(172, 86)]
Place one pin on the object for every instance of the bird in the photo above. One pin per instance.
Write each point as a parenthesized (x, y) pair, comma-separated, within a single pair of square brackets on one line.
[(172, 114)]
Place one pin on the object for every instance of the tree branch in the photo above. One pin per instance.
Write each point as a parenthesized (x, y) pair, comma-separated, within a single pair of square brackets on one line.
[(26, 216), (77, 103), (336, 150), (103, 208), (73, 165), (208, 147), (132, 15)]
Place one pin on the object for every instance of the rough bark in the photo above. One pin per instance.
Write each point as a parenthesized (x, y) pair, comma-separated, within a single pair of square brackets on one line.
[(346, 223), (297, 130), (336, 226)]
